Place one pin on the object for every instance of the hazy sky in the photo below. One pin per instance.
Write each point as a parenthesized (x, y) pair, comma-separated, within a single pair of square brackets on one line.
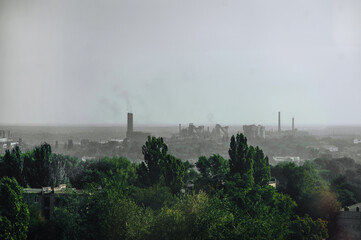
[(170, 62)]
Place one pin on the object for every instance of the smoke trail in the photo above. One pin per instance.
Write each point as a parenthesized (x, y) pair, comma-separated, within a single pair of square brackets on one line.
[(123, 94)]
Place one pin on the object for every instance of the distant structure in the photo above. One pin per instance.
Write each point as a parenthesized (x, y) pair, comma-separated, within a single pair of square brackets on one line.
[(192, 131), (279, 122), (134, 135), (219, 132), (254, 131), (4, 133), (130, 125), (6, 142), (295, 159), (291, 132), (287, 132)]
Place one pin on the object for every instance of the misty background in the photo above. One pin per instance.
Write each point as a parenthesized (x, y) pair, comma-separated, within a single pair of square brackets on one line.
[(232, 62)]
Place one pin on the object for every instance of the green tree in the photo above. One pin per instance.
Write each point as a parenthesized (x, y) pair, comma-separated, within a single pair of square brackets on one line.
[(13, 164), (173, 172), (190, 175), (241, 161), (158, 166), (57, 171), (41, 165), (305, 186), (305, 228), (344, 190), (261, 168), (111, 214), (37, 222), (106, 169), (155, 152), (196, 216), (213, 170), (154, 197), (14, 213), (68, 220)]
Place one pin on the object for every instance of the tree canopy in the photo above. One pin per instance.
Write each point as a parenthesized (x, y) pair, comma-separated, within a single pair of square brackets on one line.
[(14, 213), (164, 197)]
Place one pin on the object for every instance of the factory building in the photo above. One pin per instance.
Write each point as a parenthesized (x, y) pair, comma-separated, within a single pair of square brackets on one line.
[(254, 131), (218, 132)]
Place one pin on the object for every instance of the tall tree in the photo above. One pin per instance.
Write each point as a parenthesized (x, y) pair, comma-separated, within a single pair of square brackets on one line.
[(155, 152), (213, 172), (160, 166), (173, 172), (57, 170), (13, 164), (241, 160), (14, 213), (41, 164), (261, 168)]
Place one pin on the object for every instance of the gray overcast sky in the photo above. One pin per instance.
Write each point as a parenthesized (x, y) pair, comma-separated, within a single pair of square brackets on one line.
[(232, 62)]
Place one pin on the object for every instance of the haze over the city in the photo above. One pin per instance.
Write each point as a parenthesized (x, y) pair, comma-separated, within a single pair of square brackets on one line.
[(169, 62)]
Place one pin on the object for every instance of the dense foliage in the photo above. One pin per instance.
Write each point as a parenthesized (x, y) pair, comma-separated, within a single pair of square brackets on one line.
[(14, 213), (166, 198)]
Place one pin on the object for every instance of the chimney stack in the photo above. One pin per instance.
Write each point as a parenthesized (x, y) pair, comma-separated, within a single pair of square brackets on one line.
[(180, 130), (130, 125), (293, 125)]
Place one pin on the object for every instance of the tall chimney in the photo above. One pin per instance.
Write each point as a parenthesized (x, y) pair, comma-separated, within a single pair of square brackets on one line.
[(130, 125), (180, 130), (279, 122), (293, 125)]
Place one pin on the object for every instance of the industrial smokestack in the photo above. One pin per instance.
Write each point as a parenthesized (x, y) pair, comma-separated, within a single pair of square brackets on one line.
[(293, 125), (130, 125), (180, 130), (279, 122)]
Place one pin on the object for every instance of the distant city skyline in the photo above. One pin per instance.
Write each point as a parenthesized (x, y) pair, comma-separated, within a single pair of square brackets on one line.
[(229, 62)]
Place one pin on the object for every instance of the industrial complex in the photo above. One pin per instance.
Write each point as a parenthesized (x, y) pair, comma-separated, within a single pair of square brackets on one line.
[(217, 133), (6, 140)]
